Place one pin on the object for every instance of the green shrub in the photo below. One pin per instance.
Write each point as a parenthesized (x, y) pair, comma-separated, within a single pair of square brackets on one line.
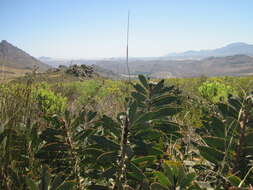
[(49, 102), (80, 92), (215, 91), (112, 88), (104, 95)]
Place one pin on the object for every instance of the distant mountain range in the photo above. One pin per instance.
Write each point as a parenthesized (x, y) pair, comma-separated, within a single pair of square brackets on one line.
[(236, 65), (231, 49), (234, 59)]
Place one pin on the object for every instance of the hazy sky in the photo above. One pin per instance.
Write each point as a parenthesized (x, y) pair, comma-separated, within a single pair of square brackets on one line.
[(97, 28)]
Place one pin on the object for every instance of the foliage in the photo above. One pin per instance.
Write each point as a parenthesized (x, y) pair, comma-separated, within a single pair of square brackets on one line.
[(81, 91), (49, 183), (226, 136), (98, 94), (145, 135), (215, 91), (49, 102), (173, 176)]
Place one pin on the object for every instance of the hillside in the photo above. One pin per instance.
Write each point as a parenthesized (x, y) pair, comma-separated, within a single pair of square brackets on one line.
[(16, 62)]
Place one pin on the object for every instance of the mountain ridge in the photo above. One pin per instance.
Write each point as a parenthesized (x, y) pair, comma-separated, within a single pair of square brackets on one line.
[(236, 65), (228, 50), (13, 57)]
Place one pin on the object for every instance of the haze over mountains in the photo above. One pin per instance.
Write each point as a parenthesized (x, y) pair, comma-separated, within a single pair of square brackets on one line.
[(234, 59), (231, 49)]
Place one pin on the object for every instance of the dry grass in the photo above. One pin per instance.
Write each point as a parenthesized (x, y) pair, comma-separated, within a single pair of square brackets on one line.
[(8, 73)]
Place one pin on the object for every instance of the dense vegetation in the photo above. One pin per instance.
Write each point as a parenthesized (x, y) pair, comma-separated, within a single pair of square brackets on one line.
[(100, 134)]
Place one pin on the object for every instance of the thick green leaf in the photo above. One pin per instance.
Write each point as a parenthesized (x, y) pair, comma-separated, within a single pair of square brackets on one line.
[(66, 186), (149, 134), (167, 126), (234, 180), (158, 87), (164, 100), (129, 188), (138, 96), (51, 131), (143, 81), (215, 126), (139, 88), (136, 172), (144, 159), (58, 180), (92, 153), (228, 110), (215, 142), (167, 111), (56, 147), (211, 154), (31, 184), (160, 113), (155, 151), (3, 135), (170, 172), (108, 157), (235, 102), (129, 151), (98, 187), (45, 179), (108, 173), (187, 180), (144, 118), (248, 139), (104, 143), (14, 176), (157, 186), (248, 150), (50, 134), (111, 125), (91, 115), (85, 133), (163, 180), (132, 111)]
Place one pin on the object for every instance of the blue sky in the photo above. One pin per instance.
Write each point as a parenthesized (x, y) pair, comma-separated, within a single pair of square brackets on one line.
[(97, 28)]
